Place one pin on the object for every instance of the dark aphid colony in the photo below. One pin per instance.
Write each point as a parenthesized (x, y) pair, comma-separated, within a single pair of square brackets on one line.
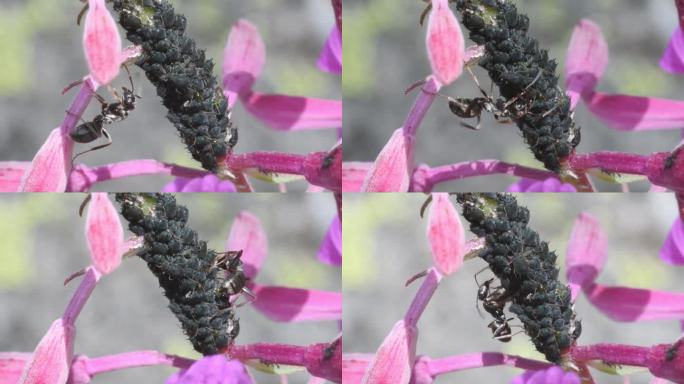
[(526, 77), (182, 75), (526, 272), (197, 281)]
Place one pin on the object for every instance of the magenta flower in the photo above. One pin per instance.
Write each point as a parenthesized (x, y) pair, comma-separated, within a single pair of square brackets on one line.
[(330, 59), (673, 58), (207, 183), (672, 251), (52, 168), (551, 184), (244, 58), (331, 248), (553, 375), (214, 369)]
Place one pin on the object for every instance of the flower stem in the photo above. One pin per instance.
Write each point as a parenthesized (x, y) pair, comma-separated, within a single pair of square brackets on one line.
[(478, 360), (268, 162), (425, 178), (134, 359), (615, 354), (83, 292), (78, 106), (421, 106), (270, 353), (617, 162), (420, 301), (83, 178)]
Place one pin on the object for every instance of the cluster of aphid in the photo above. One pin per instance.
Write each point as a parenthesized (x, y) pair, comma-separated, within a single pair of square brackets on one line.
[(526, 77), (183, 77), (527, 274), (197, 281)]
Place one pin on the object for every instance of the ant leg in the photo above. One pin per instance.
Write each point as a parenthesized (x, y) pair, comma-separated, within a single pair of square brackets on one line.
[(476, 127), (80, 14), (247, 292), (513, 100), (477, 82), (425, 13), (73, 114), (478, 272), (107, 144), (425, 205), (130, 79), (503, 338), (84, 204), (113, 92)]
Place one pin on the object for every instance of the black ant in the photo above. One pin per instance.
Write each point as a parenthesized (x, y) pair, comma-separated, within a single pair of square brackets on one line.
[(110, 113), (493, 301), (235, 280)]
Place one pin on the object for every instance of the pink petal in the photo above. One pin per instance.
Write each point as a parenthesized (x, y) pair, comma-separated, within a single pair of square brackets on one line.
[(243, 60), (50, 361), (247, 235), (11, 366), (445, 234), (673, 58), (330, 251), (587, 251), (293, 113), (673, 248), (636, 113), (393, 362), (50, 167), (551, 184), (295, 304), (353, 175), (330, 59), (102, 43), (104, 234), (354, 366), (586, 61), (445, 43), (11, 173), (216, 369), (207, 183), (632, 304), (552, 375), (392, 169)]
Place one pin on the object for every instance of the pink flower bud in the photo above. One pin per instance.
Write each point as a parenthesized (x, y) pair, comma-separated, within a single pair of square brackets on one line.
[(393, 362), (102, 43), (392, 169), (11, 366), (248, 236), (243, 60), (587, 251), (11, 173), (51, 359), (445, 234), (104, 234), (445, 43), (586, 61), (51, 165), (353, 175)]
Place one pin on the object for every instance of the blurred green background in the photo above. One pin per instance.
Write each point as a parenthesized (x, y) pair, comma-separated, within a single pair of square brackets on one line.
[(44, 242), (385, 52), (41, 52), (385, 243)]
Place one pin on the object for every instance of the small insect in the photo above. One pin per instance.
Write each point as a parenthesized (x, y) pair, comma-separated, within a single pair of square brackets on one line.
[(110, 113), (330, 350), (671, 352), (672, 159)]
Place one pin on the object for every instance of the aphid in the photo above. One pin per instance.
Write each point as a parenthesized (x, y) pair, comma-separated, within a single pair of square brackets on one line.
[(671, 160), (330, 350), (110, 113)]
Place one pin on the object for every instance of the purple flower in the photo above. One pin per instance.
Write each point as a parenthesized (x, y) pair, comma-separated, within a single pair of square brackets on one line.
[(331, 248), (553, 375), (208, 183), (551, 184), (672, 249), (216, 369), (330, 59)]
